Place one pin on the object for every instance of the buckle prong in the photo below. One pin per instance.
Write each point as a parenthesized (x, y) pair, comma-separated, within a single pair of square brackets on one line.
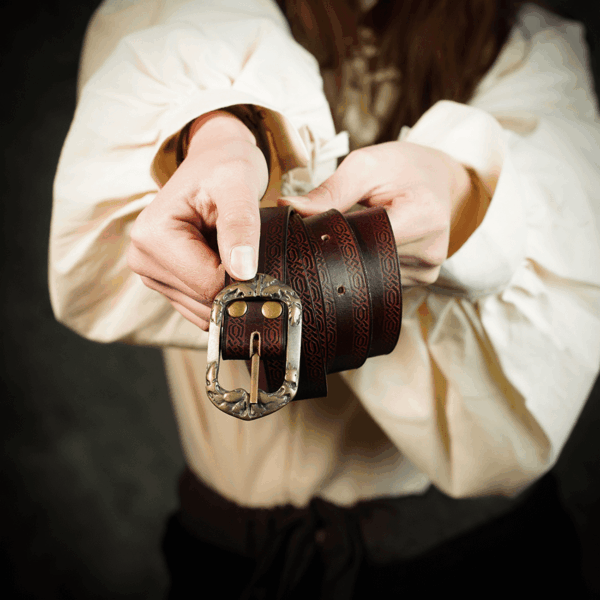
[(254, 372)]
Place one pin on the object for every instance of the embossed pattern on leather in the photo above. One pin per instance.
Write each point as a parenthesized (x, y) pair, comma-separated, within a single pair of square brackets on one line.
[(346, 271)]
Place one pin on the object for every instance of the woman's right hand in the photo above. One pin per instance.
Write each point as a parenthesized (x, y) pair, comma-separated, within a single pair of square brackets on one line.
[(205, 220)]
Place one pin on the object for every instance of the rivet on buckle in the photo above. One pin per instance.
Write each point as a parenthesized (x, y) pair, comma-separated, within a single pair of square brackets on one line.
[(258, 403), (271, 310)]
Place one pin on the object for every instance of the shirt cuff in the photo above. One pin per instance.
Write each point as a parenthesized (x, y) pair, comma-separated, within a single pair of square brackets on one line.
[(488, 259), (285, 143)]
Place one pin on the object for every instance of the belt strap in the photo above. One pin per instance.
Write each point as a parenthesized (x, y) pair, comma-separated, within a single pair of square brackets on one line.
[(345, 273)]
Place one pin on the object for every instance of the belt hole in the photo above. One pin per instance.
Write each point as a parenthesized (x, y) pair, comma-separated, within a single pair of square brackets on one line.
[(325, 237), (341, 290)]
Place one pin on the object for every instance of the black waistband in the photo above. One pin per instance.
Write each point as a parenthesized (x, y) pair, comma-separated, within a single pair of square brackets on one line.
[(283, 541), (391, 528), (397, 542)]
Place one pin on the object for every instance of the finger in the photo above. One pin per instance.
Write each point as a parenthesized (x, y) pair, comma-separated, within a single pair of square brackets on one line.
[(174, 244), (190, 316), (148, 267), (238, 233), (411, 277), (199, 309), (347, 186)]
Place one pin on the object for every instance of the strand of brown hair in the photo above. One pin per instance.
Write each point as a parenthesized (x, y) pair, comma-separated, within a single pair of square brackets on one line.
[(442, 48)]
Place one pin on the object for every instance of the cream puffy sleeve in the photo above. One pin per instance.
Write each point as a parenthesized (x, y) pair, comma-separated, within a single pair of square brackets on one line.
[(496, 360), (148, 68)]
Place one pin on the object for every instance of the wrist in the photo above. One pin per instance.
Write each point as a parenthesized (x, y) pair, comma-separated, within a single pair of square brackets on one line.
[(215, 128), (220, 140), (242, 122)]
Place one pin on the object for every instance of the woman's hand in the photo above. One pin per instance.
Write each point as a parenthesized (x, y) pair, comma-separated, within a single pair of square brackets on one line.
[(205, 220), (428, 196)]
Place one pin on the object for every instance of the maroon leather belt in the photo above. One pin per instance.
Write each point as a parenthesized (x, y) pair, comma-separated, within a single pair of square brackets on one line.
[(327, 297)]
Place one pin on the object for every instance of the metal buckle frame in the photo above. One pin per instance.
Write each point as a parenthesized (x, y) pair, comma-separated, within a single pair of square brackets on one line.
[(238, 402)]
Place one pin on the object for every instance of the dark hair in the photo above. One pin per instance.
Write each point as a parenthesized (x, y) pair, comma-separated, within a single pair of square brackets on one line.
[(442, 48)]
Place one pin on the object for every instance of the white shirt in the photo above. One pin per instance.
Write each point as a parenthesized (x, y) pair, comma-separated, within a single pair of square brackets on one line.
[(495, 360)]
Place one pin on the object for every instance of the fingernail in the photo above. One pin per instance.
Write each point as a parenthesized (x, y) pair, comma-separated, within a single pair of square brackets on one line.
[(243, 262)]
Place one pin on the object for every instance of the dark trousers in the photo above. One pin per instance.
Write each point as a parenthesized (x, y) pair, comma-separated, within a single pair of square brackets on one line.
[(320, 552)]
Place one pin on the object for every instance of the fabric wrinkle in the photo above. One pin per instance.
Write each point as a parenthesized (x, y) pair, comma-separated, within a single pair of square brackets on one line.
[(323, 536), (520, 293)]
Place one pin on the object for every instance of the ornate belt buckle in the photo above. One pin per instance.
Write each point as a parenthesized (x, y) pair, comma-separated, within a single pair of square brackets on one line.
[(256, 403)]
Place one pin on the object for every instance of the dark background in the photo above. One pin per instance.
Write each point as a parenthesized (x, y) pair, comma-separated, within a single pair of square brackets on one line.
[(90, 450)]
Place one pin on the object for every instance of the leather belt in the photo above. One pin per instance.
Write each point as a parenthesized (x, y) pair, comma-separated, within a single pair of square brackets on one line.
[(327, 297)]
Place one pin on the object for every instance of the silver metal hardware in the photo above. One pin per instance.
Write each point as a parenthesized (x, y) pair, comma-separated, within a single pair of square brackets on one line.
[(238, 402)]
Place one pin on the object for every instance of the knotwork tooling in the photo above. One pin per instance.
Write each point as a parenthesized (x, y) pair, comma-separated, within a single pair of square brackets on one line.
[(327, 297)]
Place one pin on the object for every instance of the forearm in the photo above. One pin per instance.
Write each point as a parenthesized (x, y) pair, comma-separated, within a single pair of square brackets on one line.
[(120, 152)]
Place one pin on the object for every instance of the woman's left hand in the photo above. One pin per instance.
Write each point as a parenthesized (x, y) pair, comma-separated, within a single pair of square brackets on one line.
[(428, 196)]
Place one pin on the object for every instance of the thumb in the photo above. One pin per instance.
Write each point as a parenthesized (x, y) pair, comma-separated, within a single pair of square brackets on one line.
[(340, 191), (238, 233)]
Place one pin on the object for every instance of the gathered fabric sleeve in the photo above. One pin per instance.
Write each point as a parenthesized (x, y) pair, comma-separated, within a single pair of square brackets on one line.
[(497, 358), (149, 68)]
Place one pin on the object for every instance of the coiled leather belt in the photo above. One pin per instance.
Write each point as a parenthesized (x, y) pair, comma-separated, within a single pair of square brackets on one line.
[(327, 297)]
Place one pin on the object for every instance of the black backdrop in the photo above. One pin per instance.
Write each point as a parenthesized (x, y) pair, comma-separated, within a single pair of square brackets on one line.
[(90, 451)]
